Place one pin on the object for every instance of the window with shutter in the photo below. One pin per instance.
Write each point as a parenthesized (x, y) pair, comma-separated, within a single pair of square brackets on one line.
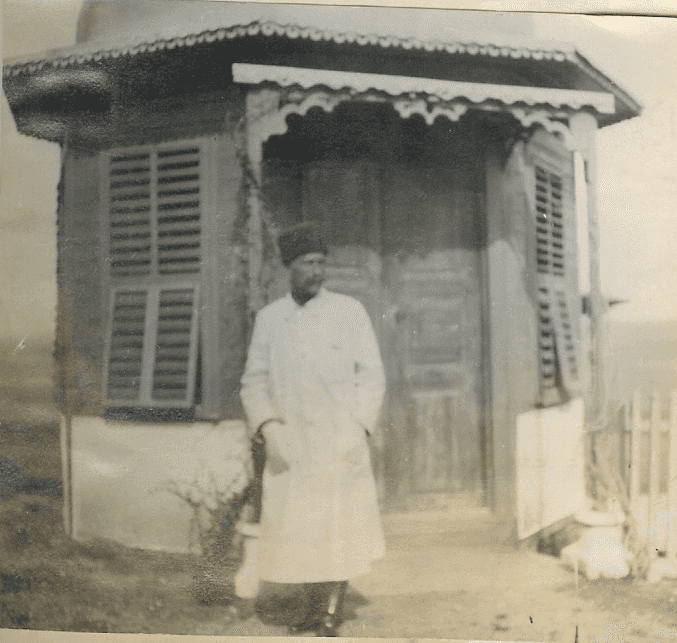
[(555, 279), (154, 212)]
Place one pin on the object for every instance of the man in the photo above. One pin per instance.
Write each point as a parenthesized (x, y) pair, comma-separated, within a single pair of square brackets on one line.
[(313, 386)]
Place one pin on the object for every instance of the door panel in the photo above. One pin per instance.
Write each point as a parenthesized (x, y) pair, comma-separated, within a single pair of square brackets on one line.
[(436, 291)]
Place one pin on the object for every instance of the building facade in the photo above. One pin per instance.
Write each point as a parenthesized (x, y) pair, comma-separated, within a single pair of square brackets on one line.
[(445, 176)]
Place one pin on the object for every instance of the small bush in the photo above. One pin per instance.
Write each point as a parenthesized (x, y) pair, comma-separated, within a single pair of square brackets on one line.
[(215, 514), (611, 489)]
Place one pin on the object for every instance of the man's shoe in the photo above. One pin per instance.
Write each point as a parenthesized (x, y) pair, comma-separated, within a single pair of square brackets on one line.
[(329, 626), (312, 623)]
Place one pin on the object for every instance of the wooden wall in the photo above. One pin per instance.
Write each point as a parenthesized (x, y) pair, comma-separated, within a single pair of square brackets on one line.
[(81, 300)]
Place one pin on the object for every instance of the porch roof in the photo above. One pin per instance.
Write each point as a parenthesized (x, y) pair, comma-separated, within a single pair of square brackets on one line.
[(434, 90), (527, 62)]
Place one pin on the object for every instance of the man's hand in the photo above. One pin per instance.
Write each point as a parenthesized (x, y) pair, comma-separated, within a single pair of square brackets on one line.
[(275, 461)]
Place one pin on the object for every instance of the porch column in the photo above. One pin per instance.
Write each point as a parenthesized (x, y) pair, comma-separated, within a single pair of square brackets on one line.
[(583, 128), (262, 105), (511, 327)]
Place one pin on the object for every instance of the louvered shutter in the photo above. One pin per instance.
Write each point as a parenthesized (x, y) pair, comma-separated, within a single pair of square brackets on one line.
[(152, 347), (546, 339), (124, 364), (178, 210), (173, 373), (155, 199), (566, 340), (130, 214), (155, 205), (554, 221), (549, 222)]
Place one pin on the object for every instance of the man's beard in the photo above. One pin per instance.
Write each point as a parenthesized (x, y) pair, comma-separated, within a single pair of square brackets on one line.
[(305, 294)]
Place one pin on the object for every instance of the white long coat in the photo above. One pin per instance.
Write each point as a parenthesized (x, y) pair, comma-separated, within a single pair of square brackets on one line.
[(318, 369)]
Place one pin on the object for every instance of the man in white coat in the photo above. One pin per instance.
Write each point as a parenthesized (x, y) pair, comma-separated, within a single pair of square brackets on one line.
[(313, 386)]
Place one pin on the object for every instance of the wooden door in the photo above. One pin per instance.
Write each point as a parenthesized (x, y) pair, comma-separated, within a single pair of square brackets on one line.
[(404, 241), (433, 231)]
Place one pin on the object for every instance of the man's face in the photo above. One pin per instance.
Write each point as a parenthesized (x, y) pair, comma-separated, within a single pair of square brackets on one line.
[(307, 274)]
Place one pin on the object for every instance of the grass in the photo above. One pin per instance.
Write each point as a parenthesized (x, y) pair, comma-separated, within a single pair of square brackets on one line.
[(50, 582), (26, 384)]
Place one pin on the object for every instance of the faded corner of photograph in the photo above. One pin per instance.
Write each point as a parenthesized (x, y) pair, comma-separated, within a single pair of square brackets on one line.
[(331, 321)]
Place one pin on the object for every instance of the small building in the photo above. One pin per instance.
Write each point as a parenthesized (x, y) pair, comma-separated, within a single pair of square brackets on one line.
[(446, 176)]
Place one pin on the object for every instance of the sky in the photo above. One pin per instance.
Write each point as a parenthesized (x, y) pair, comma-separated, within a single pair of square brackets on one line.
[(637, 161)]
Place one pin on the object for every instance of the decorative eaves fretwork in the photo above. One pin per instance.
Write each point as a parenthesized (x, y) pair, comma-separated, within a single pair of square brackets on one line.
[(300, 103), (303, 89), (530, 117), (408, 107), (442, 90)]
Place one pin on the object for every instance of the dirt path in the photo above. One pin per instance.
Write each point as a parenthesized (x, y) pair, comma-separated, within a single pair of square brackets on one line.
[(444, 578)]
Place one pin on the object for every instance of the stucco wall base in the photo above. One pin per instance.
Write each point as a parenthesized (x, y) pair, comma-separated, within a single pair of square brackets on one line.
[(119, 473)]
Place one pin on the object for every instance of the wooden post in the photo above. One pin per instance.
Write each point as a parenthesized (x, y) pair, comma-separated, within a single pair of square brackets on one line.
[(672, 479), (627, 446), (64, 359), (635, 448), (260, 105), (655, 463)]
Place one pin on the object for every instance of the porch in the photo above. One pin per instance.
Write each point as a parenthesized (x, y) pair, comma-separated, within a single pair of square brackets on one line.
[(446, 575)]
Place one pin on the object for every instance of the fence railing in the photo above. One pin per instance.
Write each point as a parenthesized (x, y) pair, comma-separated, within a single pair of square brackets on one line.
[(642, 445)]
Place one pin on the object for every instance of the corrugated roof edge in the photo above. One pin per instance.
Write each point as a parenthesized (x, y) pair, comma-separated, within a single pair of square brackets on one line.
[(98, 50)]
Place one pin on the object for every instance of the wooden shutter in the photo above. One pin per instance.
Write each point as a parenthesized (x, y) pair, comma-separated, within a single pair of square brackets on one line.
[(549, 222), (558, 353), (173, 376), (554, 221), (125, 344), (178, 210), (152, 347), (565, 339), (155, 201), (130, 215), (547, 359)]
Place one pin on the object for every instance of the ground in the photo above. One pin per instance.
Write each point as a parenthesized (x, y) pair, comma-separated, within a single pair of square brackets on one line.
[(444, 576)]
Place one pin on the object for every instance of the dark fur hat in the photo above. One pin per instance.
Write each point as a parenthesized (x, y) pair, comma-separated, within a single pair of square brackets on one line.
[(300, 240)]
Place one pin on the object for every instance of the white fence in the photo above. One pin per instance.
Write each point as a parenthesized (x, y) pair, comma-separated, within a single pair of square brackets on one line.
[(643, 443)]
